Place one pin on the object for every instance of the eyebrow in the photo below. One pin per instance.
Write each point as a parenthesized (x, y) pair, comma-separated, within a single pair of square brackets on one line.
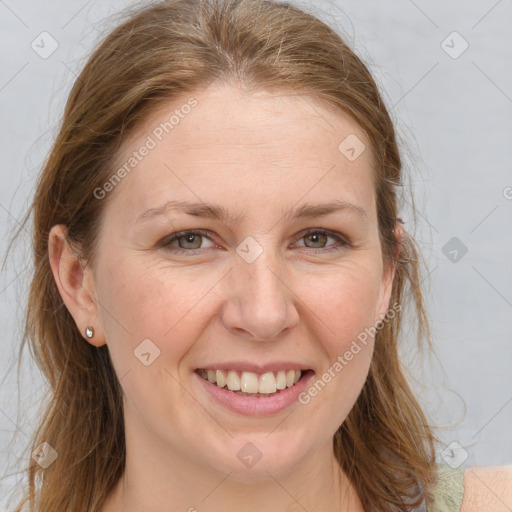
[(205, 210)]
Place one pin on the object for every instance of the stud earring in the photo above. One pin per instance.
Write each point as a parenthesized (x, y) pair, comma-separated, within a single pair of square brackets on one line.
[(89, 331)]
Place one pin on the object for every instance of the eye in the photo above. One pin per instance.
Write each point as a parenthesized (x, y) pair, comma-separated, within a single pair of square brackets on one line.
[(185, 240), (319, 238), (192, 240)]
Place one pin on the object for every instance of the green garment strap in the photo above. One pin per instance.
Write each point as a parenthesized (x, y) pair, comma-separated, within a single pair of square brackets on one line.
[(449, 490)]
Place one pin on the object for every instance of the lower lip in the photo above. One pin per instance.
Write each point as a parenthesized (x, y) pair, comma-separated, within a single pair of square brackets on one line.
[(253, 405)]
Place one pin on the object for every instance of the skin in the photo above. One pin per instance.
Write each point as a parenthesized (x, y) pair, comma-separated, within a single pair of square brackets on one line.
[(256, 155), (487, 489)]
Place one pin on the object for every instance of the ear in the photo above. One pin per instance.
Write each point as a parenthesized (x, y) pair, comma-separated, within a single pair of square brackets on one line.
[(388, 274), (75, 284)]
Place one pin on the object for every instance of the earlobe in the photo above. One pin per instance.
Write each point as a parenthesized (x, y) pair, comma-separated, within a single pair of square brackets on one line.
[(75, 285), (389, 274), (398, 233), (387, 288)]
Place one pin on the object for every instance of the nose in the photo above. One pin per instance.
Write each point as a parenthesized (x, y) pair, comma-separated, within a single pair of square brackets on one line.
[(261, 305)]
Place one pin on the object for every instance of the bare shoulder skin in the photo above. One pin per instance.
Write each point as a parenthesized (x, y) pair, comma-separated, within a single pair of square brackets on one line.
[(487, 489)]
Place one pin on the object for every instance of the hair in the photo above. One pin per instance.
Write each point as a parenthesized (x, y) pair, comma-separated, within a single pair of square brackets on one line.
[(158, 54)]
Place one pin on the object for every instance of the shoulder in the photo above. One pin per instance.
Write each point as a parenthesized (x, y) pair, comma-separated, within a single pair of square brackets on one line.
[(487, 489)]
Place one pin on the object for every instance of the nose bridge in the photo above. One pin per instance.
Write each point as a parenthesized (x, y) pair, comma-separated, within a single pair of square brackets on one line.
[(263, 278), (263, 300)]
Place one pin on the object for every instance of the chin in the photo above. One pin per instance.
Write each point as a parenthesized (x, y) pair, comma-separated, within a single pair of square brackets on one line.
[(256, 458)]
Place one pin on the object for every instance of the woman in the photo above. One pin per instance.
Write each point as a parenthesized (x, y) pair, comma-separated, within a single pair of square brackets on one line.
[(220, 278)]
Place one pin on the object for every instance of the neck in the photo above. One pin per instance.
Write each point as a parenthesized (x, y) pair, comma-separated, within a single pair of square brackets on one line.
[(153, 481)]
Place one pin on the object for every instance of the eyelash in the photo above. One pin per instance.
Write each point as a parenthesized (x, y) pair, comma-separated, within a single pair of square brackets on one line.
[(343, 243)]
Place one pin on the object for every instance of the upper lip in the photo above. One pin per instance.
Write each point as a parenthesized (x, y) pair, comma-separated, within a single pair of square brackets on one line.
[(251, 366)]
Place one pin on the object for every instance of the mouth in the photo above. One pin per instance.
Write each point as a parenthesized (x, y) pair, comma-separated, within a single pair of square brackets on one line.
[(251, 384)]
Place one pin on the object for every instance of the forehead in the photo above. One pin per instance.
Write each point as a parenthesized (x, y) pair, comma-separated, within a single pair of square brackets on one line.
[(263, 144)]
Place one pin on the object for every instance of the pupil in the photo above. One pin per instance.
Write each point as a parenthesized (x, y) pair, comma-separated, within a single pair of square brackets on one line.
[(189, 239), (316, 237)]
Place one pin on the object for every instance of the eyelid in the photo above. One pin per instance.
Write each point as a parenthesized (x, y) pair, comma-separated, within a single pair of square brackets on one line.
[(166, 242), (341, 239), (343, 242)]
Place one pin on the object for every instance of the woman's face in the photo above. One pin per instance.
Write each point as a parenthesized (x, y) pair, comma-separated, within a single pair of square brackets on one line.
[(272, 284)]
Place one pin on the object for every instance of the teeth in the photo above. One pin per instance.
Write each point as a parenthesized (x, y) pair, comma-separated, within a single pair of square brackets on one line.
[(252, 383), (267, 383), (281, 379), (233, 381), (249, 382), (221, 378)]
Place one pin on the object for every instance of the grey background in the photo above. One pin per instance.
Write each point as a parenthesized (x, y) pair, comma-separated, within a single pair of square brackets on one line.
[(454, 120)]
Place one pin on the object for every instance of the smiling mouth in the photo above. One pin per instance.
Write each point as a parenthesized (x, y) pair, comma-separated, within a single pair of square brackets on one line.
[(253, 384)]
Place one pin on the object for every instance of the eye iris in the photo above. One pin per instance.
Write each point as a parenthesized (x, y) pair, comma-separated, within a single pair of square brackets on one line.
[(190, 239), (193, 240), (317, 237)]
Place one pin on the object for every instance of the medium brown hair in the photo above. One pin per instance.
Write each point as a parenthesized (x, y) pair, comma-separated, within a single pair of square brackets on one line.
[(160, 53)]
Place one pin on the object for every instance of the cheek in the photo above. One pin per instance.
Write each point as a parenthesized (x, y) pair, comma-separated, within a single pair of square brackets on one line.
[(345, 303), (346, 309), (159, 304)]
